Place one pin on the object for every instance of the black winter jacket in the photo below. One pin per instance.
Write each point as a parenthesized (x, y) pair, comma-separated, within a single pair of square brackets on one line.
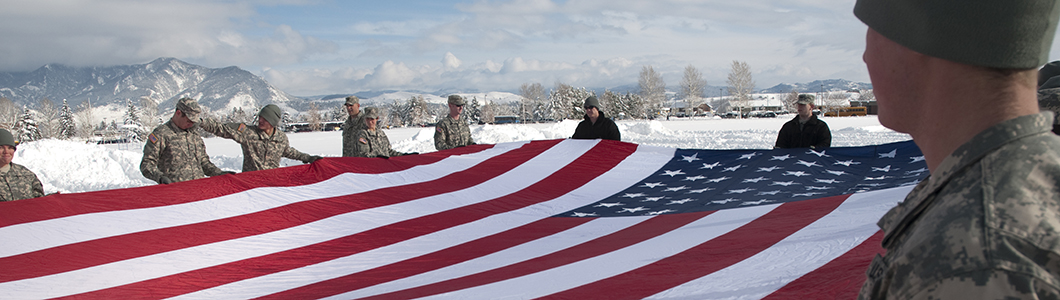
[(603, 129), (815, 134)]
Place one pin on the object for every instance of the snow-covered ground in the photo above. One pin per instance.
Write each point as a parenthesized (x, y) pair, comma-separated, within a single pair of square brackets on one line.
[(71, 166)]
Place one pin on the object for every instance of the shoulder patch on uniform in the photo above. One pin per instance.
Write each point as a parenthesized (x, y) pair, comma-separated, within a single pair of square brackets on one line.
[(152, 138), (242, 127), (362, 140)]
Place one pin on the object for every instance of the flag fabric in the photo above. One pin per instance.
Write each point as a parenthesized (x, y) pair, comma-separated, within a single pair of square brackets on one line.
[(572, 219)]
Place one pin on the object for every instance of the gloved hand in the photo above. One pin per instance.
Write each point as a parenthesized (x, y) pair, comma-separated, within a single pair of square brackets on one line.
[(382, 156), (412, 153), (228, 173), (313, 158), (165, 180)]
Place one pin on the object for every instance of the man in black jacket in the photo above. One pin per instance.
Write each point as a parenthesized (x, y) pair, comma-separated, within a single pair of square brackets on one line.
[(596, 125), (805, 130)]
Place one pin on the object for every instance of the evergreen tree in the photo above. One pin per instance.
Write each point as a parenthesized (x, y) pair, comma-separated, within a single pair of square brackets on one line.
[(26, 127), (67, 125), (132, 127), (286, 126), (475, 113)]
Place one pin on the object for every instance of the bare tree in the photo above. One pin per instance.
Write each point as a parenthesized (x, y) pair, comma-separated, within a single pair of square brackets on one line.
[(313, 117), (85, 119), (652, 90), (533, 101), (8, 113), (49, 113), (488, 111), (790, 99), (149, 112), (867, 96), (834, 100), (692, 85), (741, 85)]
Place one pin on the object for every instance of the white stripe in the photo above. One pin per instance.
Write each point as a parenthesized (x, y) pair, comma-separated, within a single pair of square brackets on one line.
[(846, 227), (634, 168), (187, 259), (28, 237), (530, 250), (616, 262)]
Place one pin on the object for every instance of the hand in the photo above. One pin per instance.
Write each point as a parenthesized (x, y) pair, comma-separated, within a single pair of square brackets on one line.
[(412, 153), (313, 158), (228, 173), (382, 156), (164, 180)]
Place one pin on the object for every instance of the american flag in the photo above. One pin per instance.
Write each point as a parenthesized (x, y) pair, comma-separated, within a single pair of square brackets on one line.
[(571, 219)]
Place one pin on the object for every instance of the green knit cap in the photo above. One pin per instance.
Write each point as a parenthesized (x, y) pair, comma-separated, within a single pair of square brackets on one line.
[(272, 114), (1004, 34), (6, 138)]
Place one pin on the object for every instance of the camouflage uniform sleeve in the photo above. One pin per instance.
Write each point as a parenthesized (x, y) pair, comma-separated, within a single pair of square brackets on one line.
[(152, 149), (38, 188), (292, 153), (232, 131), (208, 167), (441, 136), (360, 147)]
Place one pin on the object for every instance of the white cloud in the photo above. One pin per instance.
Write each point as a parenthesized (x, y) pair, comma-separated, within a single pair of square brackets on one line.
[(110, 32), (450, 62)]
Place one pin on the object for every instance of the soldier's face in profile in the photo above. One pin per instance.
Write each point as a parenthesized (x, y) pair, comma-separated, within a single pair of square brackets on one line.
[(6, 154), (353, 109), (264, 125), (182, 121)]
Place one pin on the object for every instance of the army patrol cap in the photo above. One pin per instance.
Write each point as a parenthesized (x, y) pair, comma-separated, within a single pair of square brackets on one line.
[(7, 139), (371, 113), (985, 33), (351, 100), (591, 102), (272, 114), (190, 108), (457, 100), (805, 99)]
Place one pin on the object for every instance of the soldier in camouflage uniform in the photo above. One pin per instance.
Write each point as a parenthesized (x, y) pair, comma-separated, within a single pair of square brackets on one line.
[(174, 151), (986, 223), (263, 145), (452, 131), (372, 142), (1049, 91), (18, 182), (354, 123)]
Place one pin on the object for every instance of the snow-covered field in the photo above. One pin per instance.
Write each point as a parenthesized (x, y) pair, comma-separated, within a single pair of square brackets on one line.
[(72, 166)]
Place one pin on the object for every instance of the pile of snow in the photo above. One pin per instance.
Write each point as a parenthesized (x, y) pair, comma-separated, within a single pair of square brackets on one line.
[(74, 166)]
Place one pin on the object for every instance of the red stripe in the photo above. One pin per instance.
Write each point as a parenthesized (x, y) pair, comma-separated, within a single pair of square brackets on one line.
[(433, 261), (840, 278), (85, 254), (595, 162), (723, 251), (64, 205), (624, 238)]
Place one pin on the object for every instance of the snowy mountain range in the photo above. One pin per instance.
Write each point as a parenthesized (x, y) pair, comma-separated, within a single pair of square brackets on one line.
[(223, 89), (165, 80)]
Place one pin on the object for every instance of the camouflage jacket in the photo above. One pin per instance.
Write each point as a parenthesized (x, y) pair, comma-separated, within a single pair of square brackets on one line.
[(450, 133), (176, 153), (19, 183), (1049, 99), (372, 144), (349, 133), (984, 225), (260, 150)]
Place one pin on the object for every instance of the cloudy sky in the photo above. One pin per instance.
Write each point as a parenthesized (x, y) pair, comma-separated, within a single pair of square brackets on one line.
[(316, 47)]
